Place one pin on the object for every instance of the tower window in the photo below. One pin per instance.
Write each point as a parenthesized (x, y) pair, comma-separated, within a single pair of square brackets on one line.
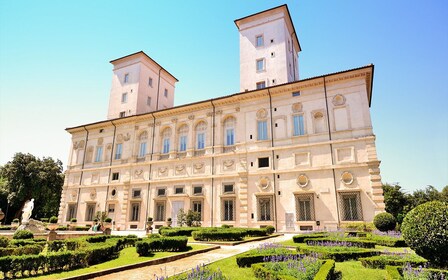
[(115, 176), (122, 114), (263, 162), (148, 101), (259, 41), (126, 78), (165, 93), (124, 97), (261, 85), (150, 82), (260, 65)]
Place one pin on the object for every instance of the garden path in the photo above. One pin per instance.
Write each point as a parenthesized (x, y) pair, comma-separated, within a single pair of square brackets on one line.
[(171, 268)]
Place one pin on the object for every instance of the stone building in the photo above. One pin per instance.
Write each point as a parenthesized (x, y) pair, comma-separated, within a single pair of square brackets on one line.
[(295, 154)]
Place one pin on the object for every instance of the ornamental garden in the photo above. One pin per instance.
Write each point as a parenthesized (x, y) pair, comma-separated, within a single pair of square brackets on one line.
[(359, 251)]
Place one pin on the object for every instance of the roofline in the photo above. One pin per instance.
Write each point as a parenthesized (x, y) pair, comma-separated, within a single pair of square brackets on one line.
[(237, 94), (142, 52), (289, 15)]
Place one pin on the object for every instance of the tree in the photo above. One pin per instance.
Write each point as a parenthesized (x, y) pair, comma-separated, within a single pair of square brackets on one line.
[(384, 221), (26, 177), (422, 196), (395, 200)]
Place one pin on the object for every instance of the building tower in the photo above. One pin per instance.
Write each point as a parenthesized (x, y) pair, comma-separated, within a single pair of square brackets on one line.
[(139, 85), (268, 49)]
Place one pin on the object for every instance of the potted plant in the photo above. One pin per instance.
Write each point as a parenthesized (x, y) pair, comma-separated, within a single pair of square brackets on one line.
[(169, 222), (15, 223), (72, 225), (53, 225), (107, 223), (149, 223)]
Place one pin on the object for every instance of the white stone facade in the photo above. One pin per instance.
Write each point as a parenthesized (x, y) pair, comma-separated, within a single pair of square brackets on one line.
[(297, 156)]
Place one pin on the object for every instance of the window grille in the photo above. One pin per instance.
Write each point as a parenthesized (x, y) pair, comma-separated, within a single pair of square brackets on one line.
[(350, 206), (305, 207)]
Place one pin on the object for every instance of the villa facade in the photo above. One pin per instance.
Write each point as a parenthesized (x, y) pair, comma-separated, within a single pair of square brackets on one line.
[(295, 154)]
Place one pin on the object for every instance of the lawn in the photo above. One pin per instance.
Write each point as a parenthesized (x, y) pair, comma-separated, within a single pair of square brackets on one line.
[(353, 270), (127, 256)]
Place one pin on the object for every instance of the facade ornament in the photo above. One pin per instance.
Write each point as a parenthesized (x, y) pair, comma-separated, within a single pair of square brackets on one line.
[(237, 109), (93, 194), (158, 123), (113, 193), (81, 144), (297, 107), (127, 137), (209, 114), (218, 112), (138, 173), (347, 178), (338, 100), (191, 117), (119, 138), (174, 120), (264, 183), (90, 149), (302, 180), (100, 141), (162, 170), (109, 146), (198, 166), (180, 168), (228, 163), (262, 114), (73, 195), (75, 145)]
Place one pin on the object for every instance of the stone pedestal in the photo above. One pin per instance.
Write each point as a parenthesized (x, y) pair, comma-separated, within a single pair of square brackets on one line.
[(107, 231), (33, 226), (52, 235)]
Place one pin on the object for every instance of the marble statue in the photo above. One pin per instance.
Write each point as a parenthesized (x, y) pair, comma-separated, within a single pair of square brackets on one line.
[(27, 210)]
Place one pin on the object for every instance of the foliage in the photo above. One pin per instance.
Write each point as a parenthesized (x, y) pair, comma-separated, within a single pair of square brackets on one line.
[(259, 254), (393, 273), (189, 219), (270, 230), (179, 231), (223, 234), (53, 220), (15, 220), (4, 242), (345, 242), (358, 226), (300, 238), (27, 177), (389, 241), (326, 271), (96, 239), (73, 220), (420, 273), (23, 234), (338, 254), (23, 250), (172, 244), (425, 230), (108, 220), (200, 272), (382, 261), (384, 221), (44, 220), (288, 268)]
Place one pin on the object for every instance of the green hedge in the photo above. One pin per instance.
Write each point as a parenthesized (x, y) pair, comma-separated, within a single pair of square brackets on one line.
[(22, 250), (24, 242), (172, 244), (248, 259), (353, 241), (393, 273), (96, 239), (224, 234), (180, 231), (66, 244), (326, 271), (382, 261), (300, 238), (5, 227), (388, 241), (23, 234), (4, 242), (255, 231), (339, 256)]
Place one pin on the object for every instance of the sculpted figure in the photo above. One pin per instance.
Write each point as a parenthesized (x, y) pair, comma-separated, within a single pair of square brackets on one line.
[(27, 210)]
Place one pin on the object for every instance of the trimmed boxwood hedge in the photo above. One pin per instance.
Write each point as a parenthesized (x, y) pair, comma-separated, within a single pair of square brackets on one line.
[(355, 242), (180, 231), (300, 238), (23, 234), (393, 273), (326, 272), (339, 256), (388, 241), (248, 259), (96, 239), (171, 244), (382, 261), (223, 234), (22, 250)]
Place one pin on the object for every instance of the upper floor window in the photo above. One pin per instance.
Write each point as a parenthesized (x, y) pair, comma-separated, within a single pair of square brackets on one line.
[(262, 130), (99, 154), (178, 189), (259, 41), (126, 78), (201, 128), (148, 101), (124, 97), (197, 190), (229, 131), (261, 85), (122, 114), (115, 176), (166, 135), (165, 93), (228, 188), (263, 162), (118, 150), (142, 144), (183, 134), (161, 192), (299, 128), (136, 193), (150, 81), (260, 64)]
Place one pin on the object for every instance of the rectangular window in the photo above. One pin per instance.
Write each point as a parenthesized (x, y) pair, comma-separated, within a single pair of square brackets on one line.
[(90, 211), (305, 207), (71, 212), (295, 94), (111, 208), (264, 208), (197, 207), (150, 82), (261, 85), (118, 151), (160, 211), (99, 154), (179, 189), (230, 137), (148, 101), (263, 162), (142, 151), (259, 42), (201, 141), (135, 212), (183, 143), (165, 93), (260, 65), (126, 78), (161, 192), (124, 97), (115, 176), (122, 114), (351, 206), (136, 193), (262, 130), (166, 146), (299, 129), (228, 188), (228, 210), (197, 190)]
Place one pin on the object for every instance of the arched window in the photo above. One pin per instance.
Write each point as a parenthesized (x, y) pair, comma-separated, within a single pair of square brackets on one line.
[(183, 134), (201, 129), (229, 131), (166, 135), (142, 144), (319, 122)]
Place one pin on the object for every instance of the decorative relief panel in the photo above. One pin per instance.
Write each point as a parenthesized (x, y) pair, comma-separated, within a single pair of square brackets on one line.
[(262, 114), (138, 174), (125, 137), (93, 194), (228, 164), (347, 178), (297, 107), (95, 178), (180, 169), (302, 180), (78, 145), (302, 158), (264, 183), (163, 171), (338, 100), (73, 195), (198, 168)]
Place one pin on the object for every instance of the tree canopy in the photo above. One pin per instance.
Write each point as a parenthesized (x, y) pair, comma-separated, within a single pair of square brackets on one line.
[(26, 177)]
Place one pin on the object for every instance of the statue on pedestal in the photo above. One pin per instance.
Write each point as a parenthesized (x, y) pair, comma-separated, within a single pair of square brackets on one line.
[(27, 210)]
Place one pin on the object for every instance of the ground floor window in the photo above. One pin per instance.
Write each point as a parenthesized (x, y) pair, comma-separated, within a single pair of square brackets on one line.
[(305, 207), (350, 206), (196, 206), (71, 212), (265, 208), (228, 209), (160, 211), (90, 211), (135, 212)]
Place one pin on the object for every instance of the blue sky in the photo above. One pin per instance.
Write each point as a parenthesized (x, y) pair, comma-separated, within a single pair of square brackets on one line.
[(55, 71)]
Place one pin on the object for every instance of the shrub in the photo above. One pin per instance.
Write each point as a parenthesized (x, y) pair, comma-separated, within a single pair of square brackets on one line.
[(326, 271), (172, 244), (96, 239), (221, 235), (382, 261), (5, 227), (181, 231), (388, 241), (225, 226), (346, 242), (248, 259), (384, 221), (73, 220), (304, 268), (393, 273), (23, 234), (425, 230), (300, 238), (253, 231), (53, 220), (270, 230), (4, 242), (338, 254), (359, 226)]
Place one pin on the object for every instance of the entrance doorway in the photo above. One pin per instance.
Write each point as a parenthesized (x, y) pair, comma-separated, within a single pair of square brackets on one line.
[(175, 207)]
